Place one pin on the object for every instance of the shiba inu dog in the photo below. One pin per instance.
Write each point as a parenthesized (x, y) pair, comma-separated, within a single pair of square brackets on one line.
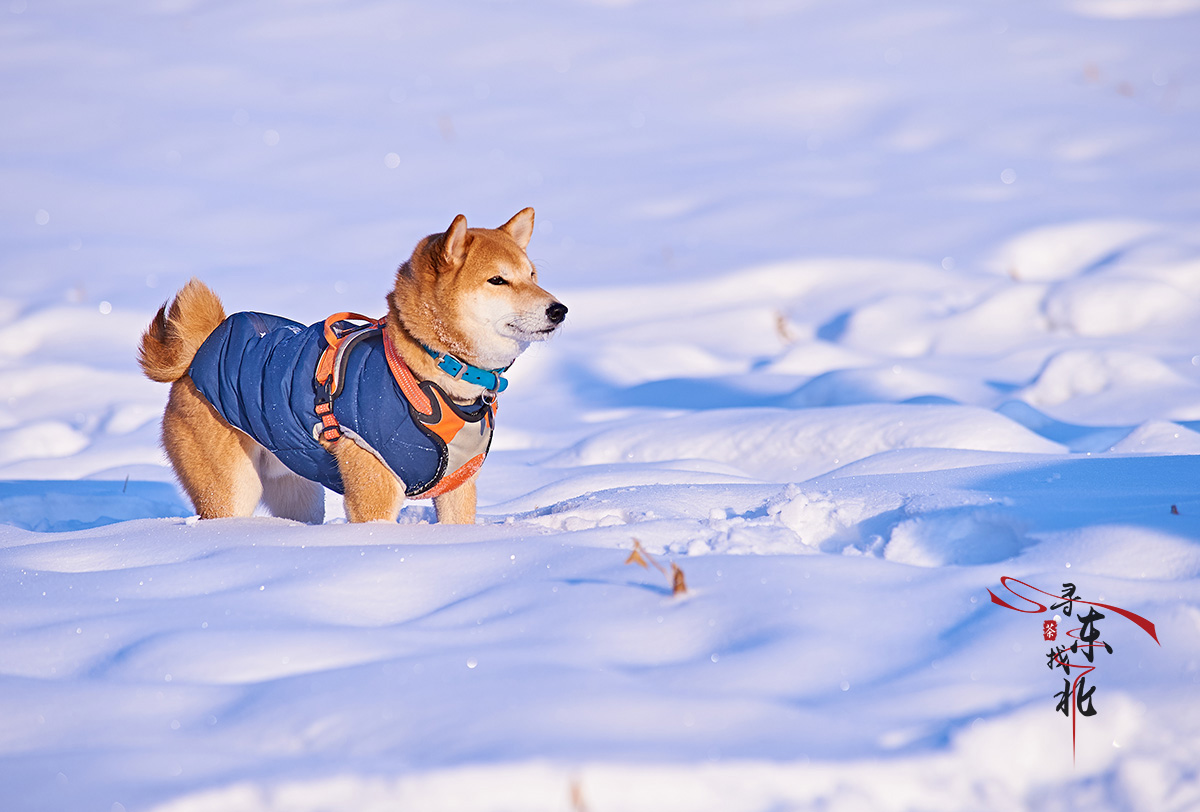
[(263, 409)]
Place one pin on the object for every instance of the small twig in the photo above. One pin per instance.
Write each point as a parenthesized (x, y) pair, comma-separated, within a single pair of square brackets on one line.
[(784, 327), (678, 585), (577, 802), (640, 556), (643, 559)]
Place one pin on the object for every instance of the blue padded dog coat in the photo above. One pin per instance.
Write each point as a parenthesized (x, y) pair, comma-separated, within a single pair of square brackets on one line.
[(257, 371)]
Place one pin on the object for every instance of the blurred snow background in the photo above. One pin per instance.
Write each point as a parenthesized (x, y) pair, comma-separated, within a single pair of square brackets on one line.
[(871, 304)]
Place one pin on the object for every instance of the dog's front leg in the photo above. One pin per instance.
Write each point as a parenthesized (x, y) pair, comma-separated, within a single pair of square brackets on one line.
[(457, 506), (373, 494)]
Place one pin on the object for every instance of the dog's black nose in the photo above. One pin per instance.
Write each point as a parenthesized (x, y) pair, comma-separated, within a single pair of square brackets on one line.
[(556, 312)]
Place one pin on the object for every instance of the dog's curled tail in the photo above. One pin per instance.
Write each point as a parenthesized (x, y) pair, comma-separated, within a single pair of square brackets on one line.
[(178, 330)]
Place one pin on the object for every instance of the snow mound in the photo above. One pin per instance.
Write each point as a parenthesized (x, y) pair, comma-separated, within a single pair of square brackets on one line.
[(47, 438), (892, 383), (1076, 373), (784, 446), (1133, 9), (1090, 382), (1159, 437), (1007, 754), (1062, 251), (958, 536), (820, 517), (1108, 306)]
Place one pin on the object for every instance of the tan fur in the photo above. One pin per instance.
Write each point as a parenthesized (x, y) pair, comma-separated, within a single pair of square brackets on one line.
[(214, 461), (457, 506), (372, 493), (446, 268), (441, 298), (171, 341)]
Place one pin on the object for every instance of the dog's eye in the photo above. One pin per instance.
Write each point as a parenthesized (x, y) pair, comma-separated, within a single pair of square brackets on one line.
[(497, 280)]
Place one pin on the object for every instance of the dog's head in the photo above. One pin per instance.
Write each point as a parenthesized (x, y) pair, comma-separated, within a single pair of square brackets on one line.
[(473, 292)]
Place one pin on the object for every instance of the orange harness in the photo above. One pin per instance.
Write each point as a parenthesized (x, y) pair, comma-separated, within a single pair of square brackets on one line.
[(429, 404)]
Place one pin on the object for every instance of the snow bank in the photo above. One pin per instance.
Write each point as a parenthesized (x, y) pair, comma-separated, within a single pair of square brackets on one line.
[(783, 446), (1063, 251)]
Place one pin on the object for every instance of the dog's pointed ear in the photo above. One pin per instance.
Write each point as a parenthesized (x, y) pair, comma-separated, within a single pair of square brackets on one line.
[(454, 242), (520, 227)]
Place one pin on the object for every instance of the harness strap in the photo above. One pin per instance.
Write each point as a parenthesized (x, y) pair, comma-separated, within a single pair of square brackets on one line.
[(339, 341), (334, 336), (404, 377), (443, 420), (331, 430), (455, 478)]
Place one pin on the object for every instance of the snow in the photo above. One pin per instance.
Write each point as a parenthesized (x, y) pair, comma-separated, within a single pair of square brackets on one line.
[(870, 306)]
